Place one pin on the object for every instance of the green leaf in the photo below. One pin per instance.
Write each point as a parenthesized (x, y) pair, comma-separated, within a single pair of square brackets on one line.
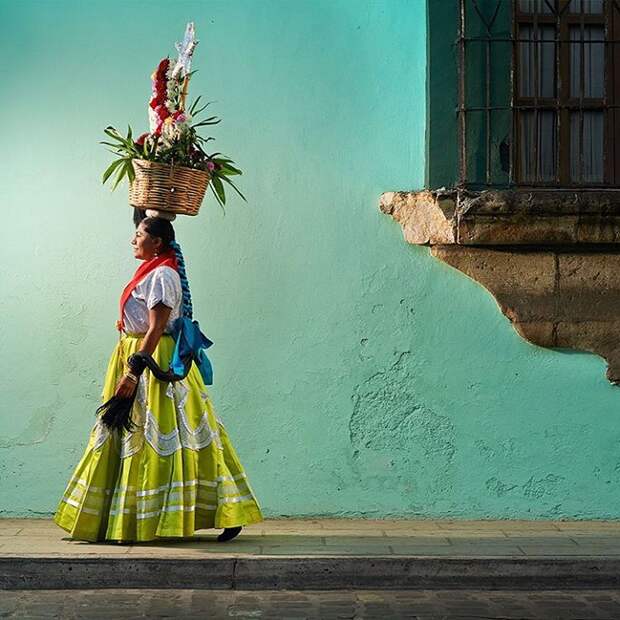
[(194, 109), (111, 168), (119, 177), (110, 131), (126, 143), (131, 173), (234, 187), (219, 188), (230, 170), (199, 110), (123, 171), (217, 198), (205, 123), (193, 106)]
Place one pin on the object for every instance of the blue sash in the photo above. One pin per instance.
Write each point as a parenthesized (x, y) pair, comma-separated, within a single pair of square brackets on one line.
[(190, 342)]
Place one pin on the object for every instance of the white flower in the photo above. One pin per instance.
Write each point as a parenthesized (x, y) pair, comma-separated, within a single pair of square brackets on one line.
[(152, 120), (170, 71)]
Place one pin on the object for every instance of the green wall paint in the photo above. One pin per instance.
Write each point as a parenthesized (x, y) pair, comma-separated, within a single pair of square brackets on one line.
[(356, 374)]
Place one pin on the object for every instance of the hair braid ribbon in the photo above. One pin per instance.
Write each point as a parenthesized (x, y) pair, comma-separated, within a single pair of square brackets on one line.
[(187, 309)]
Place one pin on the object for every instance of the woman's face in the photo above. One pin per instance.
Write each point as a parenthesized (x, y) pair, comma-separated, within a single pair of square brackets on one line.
[(144, 245)]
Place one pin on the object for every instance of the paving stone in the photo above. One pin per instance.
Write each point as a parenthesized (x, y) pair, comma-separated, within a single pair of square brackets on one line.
[(332, 550), (568, 550), (155, 552), (396, 539)]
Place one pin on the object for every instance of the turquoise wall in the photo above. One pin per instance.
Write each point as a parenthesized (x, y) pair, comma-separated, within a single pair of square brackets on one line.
[(356, 374)]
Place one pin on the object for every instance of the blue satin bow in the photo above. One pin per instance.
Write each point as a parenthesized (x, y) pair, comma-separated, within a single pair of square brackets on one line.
[(190, 341)]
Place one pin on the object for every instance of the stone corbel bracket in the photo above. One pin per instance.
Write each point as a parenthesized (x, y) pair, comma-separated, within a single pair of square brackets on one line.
[(551, 258)]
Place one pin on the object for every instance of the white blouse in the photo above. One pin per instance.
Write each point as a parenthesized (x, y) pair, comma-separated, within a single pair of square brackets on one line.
[(163, 284)]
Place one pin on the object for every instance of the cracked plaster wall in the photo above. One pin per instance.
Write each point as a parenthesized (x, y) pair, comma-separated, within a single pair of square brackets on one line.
[(357, 375)]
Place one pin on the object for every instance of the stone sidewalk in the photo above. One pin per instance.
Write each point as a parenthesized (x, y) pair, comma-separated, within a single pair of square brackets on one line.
[(324, 553)]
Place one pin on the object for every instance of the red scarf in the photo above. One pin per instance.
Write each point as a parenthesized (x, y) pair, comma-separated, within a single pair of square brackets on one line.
[(167, 258)]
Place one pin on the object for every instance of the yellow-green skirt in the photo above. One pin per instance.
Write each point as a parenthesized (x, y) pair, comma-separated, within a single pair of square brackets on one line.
[(177, 472)]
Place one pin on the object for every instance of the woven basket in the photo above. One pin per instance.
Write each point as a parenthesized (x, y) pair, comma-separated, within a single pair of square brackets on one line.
[(167, 188)]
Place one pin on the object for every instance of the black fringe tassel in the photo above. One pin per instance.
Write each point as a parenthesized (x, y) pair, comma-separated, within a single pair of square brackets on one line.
[(117, 413)]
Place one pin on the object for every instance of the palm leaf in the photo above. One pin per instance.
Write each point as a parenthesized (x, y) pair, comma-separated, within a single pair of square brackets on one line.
[(234, 187), (193, 106), (111, 168), (219, 188), (228, 169), (119, 177), (206, 122), (131, 173)]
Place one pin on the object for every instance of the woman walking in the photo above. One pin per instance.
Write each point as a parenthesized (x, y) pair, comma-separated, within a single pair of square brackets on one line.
[(170, 469)]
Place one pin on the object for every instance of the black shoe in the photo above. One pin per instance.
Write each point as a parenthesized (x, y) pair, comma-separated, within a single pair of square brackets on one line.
[(229, 533)]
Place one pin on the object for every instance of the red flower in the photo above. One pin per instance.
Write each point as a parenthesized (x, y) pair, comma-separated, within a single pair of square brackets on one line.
[(142, 138), (162, 68), (162, 112)]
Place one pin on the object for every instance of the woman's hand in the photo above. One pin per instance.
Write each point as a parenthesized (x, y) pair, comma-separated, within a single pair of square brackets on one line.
[(118, 325), (125, 387), (158, 317)]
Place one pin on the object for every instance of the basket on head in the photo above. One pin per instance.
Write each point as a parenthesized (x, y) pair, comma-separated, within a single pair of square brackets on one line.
[(164, 187)]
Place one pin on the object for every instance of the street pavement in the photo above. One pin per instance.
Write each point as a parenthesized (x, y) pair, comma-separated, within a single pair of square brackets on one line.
[(320, 568), (282, 605)]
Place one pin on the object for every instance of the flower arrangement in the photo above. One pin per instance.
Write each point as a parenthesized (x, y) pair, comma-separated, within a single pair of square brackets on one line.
[(173, 137)]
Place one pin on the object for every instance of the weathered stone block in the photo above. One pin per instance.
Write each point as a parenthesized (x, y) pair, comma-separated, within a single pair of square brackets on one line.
[(506, 217), (511, 230), (551, 258), (541, 333), (553, 299), (523, 283), (588, 286), (423, 218)]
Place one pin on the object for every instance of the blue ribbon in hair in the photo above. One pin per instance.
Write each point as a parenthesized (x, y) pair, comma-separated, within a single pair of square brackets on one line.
[(190, 342)]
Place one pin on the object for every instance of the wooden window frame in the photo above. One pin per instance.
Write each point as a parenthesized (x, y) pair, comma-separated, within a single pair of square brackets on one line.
[(563, 104)]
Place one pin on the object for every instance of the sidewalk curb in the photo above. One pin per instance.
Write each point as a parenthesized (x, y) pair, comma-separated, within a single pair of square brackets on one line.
[(307, 573)]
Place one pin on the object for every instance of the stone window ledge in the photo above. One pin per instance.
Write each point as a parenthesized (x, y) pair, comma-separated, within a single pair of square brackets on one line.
[(551, 258), (506, 217)]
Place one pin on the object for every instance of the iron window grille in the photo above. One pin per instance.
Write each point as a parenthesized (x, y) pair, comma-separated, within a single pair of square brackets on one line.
[(539, 93)]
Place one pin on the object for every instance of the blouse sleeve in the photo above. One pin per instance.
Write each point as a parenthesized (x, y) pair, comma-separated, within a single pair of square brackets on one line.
[(164, 286)]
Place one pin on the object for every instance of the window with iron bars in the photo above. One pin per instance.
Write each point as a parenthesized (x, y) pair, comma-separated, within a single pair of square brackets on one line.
[(539, 93)]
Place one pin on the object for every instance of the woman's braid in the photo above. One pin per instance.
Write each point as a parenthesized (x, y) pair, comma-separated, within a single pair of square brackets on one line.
[(187, 310)]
